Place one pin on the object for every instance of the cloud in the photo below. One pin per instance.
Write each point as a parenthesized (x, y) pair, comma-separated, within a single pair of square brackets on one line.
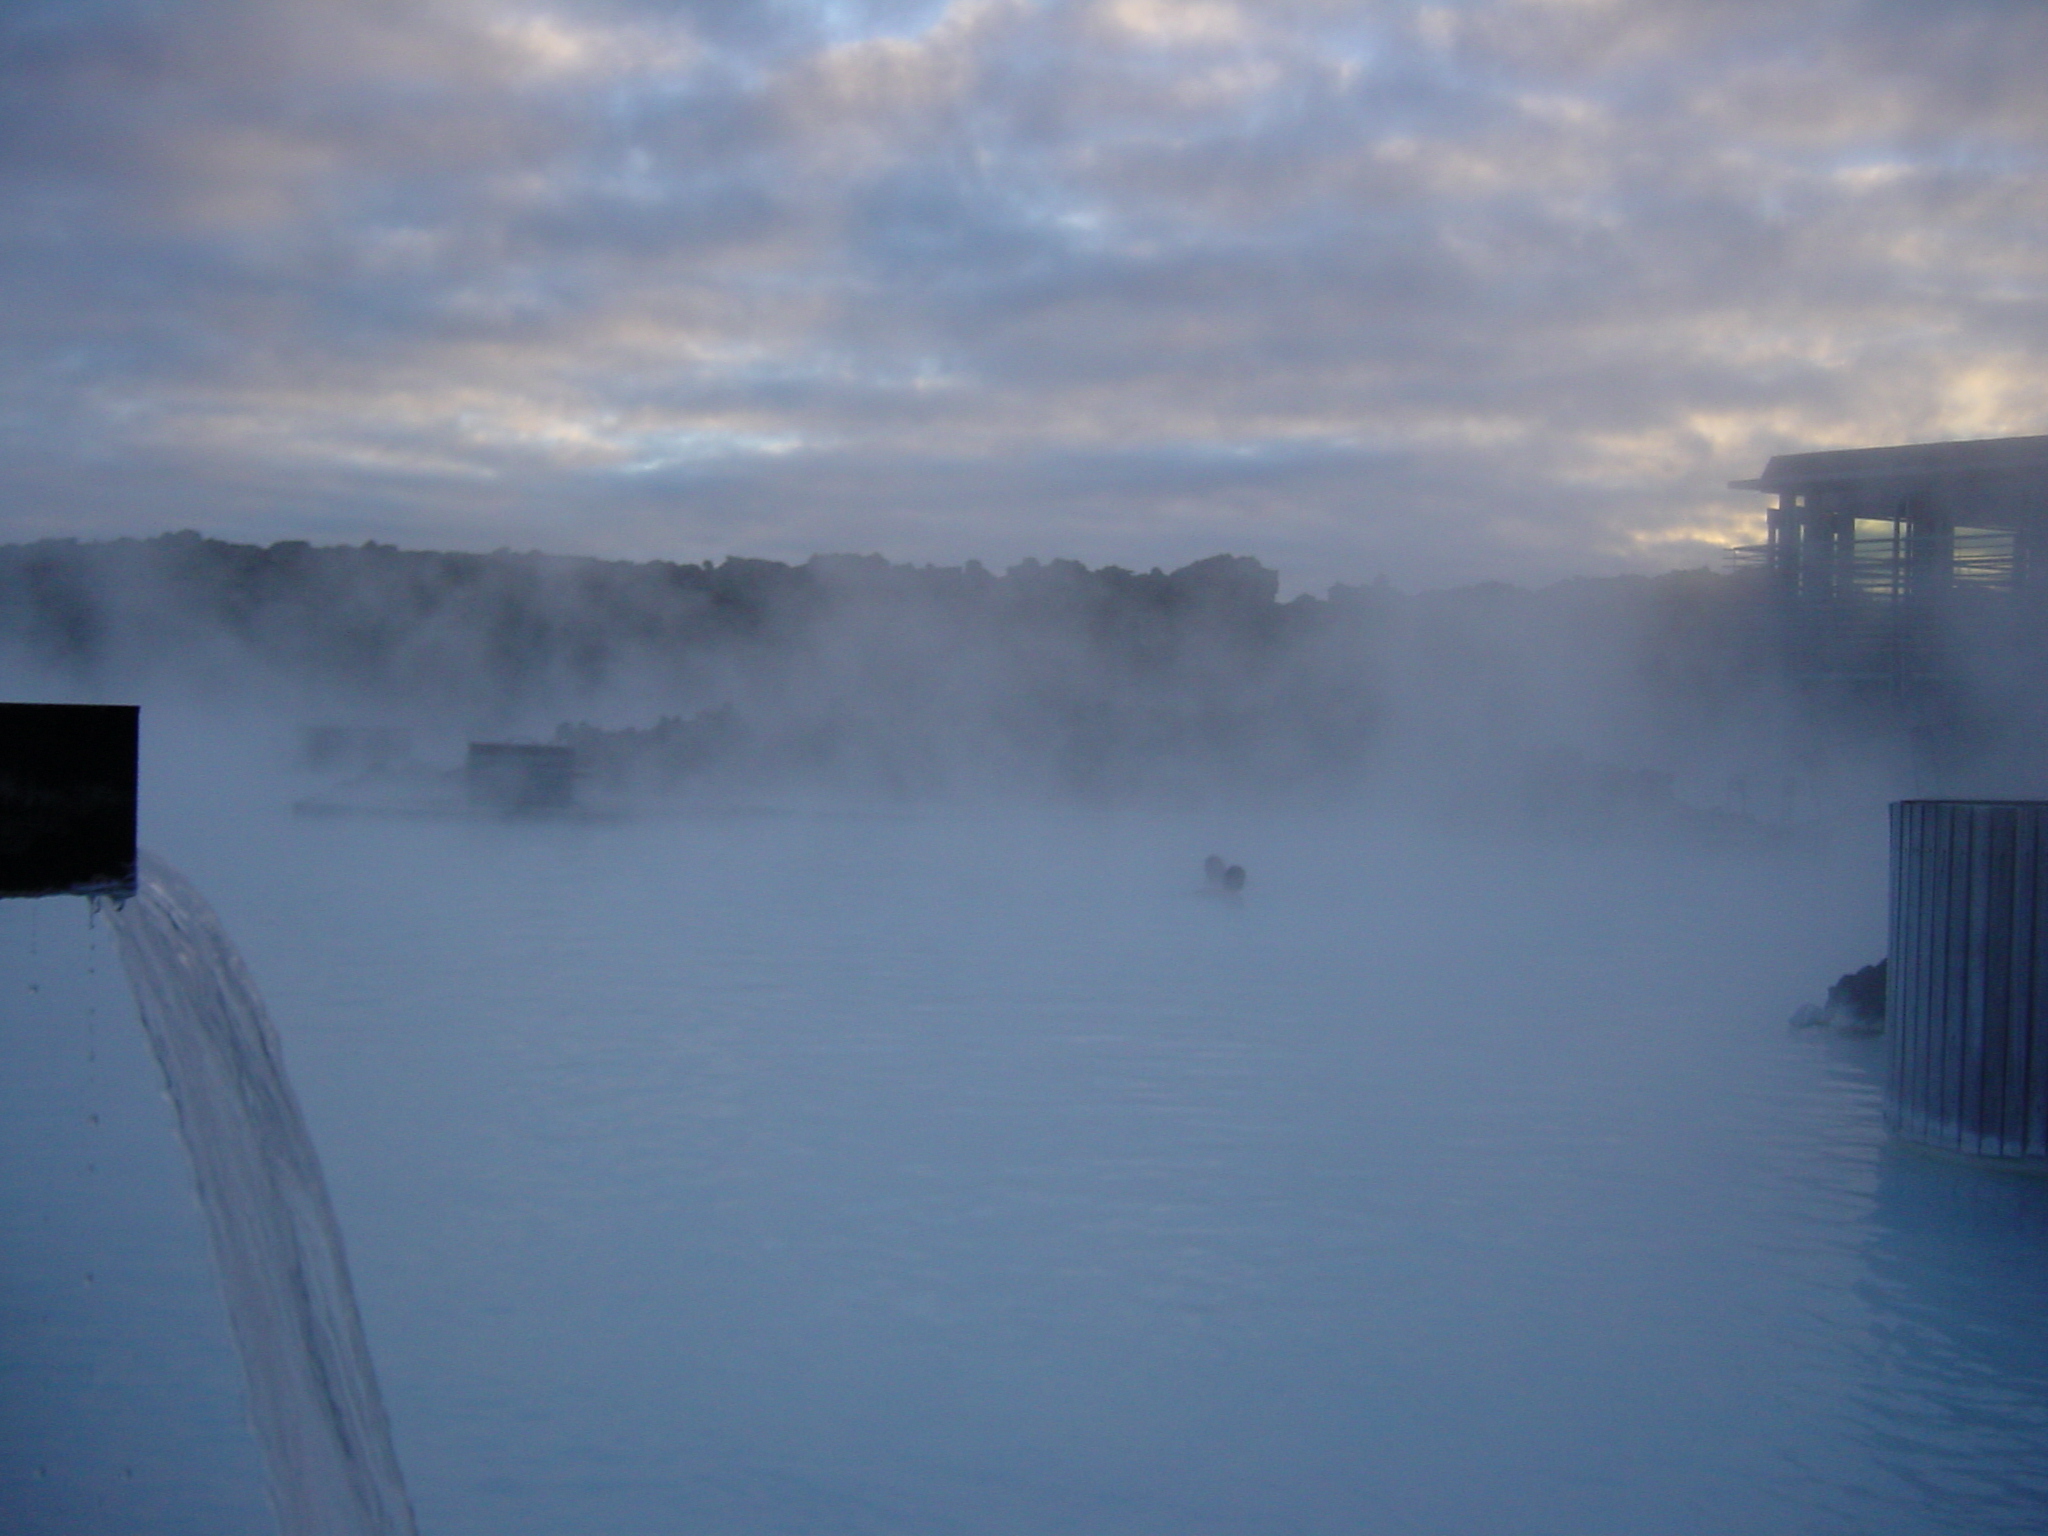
[(1499, 289)]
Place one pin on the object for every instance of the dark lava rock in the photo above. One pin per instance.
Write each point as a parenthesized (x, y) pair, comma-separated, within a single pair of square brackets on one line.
[(1855, 1005)]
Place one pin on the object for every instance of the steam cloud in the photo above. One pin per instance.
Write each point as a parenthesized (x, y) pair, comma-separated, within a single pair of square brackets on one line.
[(1505, 290), (1586, 705)]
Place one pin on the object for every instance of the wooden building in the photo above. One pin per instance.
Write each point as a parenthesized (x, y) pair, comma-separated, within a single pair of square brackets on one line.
[(1879, 558)]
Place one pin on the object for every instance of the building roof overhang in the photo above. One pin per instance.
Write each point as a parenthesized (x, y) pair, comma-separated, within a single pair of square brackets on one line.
[(1976, 460)]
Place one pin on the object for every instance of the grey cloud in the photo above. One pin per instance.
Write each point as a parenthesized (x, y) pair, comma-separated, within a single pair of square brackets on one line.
[(1505, 289)]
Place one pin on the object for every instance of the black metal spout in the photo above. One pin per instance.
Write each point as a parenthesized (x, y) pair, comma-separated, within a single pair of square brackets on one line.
[(67, 799)]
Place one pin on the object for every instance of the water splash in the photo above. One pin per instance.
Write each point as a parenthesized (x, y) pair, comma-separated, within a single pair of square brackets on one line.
[(312, 1391)]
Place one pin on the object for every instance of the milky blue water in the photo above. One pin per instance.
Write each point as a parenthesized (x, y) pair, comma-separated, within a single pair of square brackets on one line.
[(974, 1173)]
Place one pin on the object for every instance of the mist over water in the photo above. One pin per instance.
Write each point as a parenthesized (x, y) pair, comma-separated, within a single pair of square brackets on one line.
[(854, 1152)]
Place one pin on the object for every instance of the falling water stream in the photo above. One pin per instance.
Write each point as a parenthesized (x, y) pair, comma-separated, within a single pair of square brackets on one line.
[(312, 1391)]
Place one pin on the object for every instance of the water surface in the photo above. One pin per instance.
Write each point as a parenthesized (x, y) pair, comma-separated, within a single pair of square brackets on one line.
[(974, 1172)]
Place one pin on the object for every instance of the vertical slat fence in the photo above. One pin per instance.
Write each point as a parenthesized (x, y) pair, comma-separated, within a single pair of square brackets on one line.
[(1966, 988)]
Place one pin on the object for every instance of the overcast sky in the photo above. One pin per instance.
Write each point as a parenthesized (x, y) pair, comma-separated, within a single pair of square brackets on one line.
[(1506, 289)]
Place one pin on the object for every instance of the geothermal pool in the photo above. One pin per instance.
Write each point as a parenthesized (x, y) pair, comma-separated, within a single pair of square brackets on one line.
[(947, 1172)]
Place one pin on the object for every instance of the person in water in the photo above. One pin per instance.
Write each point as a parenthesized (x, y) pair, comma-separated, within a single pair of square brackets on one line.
[(1221, 876)]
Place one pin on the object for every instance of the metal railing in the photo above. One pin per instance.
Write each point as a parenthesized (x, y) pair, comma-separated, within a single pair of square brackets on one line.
[(1874, 609)]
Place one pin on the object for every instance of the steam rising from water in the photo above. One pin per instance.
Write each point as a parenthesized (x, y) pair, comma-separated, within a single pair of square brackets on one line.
[(312, 1391), (861, 1126)]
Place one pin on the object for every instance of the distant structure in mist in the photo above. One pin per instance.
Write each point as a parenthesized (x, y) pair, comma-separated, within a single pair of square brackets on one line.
[(520, 776), (1885, 563), (357, 748)]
